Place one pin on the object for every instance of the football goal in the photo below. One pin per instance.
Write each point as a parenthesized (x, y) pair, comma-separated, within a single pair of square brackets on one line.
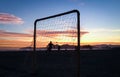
[(62, 31)]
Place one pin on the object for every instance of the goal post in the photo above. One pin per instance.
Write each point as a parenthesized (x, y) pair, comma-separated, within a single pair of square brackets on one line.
[(63, 32)]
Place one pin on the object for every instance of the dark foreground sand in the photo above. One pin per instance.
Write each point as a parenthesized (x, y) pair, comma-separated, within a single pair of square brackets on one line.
[(93, 63)]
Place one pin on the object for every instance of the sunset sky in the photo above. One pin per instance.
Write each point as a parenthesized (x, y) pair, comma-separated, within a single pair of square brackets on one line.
[(100, 21)]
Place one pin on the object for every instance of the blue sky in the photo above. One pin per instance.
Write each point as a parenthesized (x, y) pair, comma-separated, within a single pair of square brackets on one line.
[(103, 15), (95, 13)]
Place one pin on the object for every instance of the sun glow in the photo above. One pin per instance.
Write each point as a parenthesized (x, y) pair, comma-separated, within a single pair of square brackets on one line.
[(100, 37)]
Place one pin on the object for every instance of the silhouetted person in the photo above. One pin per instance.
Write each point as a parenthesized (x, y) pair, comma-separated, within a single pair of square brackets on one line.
[(59, 47), (76, 48), (50, 45), (90, 47)]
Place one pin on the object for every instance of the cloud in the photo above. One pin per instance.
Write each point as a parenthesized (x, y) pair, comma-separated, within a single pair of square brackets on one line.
[(9, 39), (6, 18), (43, 33), (16, 43), (68, 33), (13, 34)]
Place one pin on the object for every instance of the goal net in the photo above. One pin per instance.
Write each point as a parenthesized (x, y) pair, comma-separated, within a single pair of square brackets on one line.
[(61, 29)]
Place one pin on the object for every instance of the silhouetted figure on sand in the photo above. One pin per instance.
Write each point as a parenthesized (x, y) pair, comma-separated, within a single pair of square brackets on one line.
[(76, 48), (59, 47), (50, 45)]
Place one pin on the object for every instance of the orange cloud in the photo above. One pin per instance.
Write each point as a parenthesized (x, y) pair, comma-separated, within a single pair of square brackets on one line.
[(13, 43), (6, 18), (24, 39), (13, 34)]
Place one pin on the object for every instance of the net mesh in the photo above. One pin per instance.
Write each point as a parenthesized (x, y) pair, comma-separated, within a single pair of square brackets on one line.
[(60, 30)]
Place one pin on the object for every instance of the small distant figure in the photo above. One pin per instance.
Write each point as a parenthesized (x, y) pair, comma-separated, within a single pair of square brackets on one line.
[(65, 48), (90, 47), (76, 48), (50, 45), (59, 47)]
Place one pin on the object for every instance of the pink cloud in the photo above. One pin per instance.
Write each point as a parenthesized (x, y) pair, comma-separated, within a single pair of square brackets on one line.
[(13, 34), (6, 18), (44, 33), (69, 33)]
